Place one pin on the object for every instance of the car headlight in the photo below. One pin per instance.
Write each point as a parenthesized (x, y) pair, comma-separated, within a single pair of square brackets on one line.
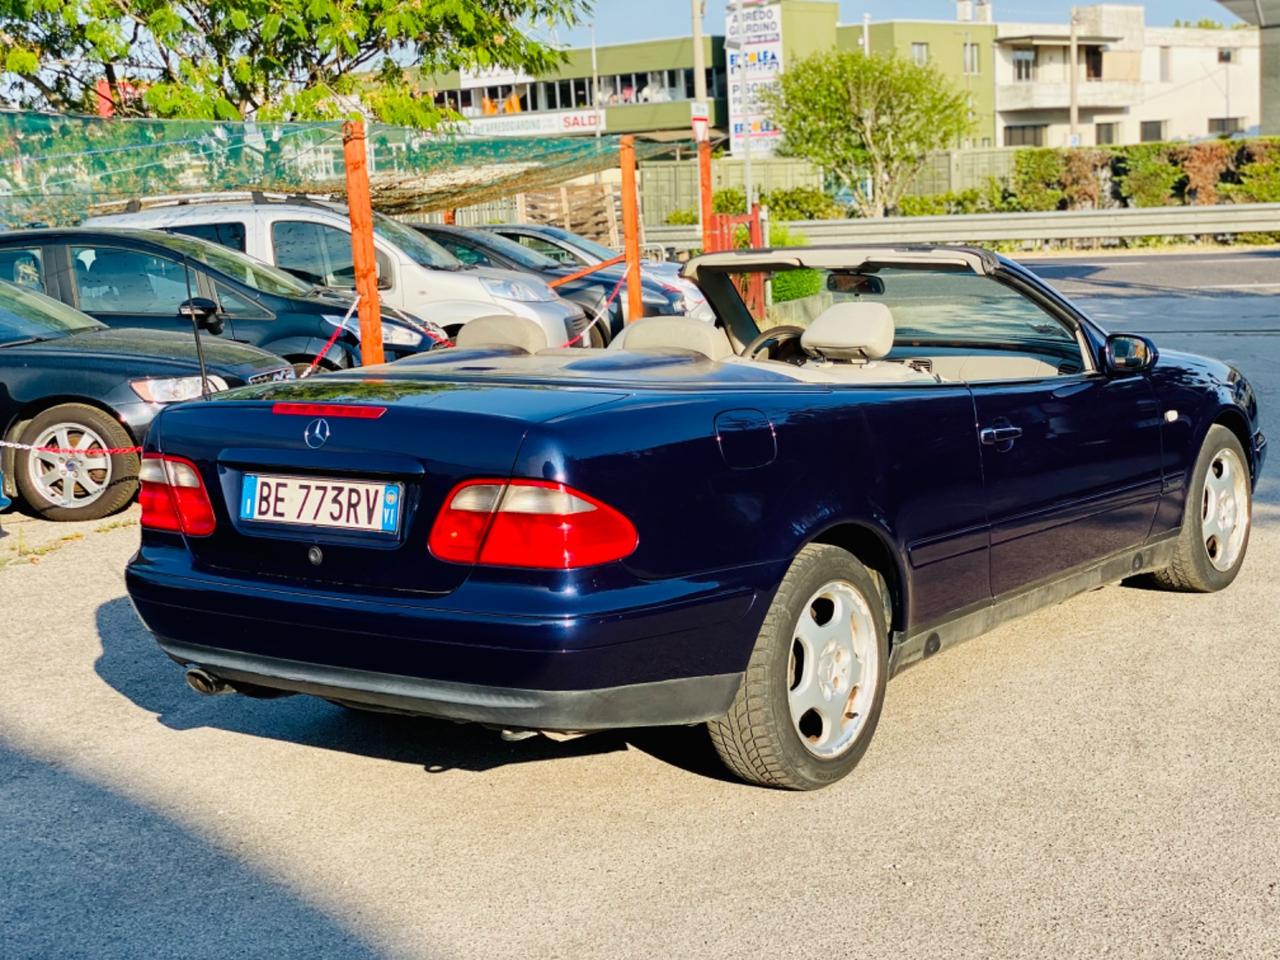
[(521, 290), (174, 389), (393, 334), (398, 336)]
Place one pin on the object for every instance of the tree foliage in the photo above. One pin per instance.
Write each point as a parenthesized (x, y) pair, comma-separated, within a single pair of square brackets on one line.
[(870, 121), (265, 59)]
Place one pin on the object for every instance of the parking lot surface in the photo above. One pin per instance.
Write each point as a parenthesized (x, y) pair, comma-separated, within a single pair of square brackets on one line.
[(1100, 778)]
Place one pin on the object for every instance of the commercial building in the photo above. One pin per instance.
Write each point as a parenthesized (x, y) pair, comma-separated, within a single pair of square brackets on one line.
[(1265, 15)]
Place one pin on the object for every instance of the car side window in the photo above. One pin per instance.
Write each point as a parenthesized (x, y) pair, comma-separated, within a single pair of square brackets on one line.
[(548, 249), (468, 255), (299, 248), (113, 280), (231, 234), (321, 254), (235, 305), (23, 267)]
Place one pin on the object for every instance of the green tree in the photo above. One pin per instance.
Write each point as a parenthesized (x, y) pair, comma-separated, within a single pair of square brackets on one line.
[(870, 121), (265, 59)]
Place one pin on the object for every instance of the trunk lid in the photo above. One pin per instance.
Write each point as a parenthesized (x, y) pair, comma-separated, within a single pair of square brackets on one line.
[(430, 437)]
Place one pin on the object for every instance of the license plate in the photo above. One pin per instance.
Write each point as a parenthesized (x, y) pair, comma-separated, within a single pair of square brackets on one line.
[(321, 502)]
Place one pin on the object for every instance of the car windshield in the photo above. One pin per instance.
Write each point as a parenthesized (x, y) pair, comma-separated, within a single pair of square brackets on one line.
[(239, 266), (583, 244), (26, 315), (513, 251), (423, 250)]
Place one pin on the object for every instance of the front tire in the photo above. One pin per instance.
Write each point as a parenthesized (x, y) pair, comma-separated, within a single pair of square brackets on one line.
[(1216, 521), (86, 484), (814, 687)]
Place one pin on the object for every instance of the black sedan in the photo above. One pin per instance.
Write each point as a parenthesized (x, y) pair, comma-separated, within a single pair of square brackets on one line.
[(486, 248), (142, 278), (77, 397)]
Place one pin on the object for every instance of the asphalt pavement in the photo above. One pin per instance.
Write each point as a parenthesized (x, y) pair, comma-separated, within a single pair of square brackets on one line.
[(1099, 778)]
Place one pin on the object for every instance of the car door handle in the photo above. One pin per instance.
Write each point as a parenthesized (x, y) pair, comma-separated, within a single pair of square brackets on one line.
[(995, 436)]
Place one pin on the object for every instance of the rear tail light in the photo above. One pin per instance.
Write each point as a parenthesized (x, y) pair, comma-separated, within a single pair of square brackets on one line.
[(529, 523), (173, 497)]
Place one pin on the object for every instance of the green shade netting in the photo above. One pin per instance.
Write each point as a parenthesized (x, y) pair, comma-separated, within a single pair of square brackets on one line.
[(57, 169)]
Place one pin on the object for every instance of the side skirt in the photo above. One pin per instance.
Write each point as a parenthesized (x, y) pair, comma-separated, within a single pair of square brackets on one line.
[(975, 621)]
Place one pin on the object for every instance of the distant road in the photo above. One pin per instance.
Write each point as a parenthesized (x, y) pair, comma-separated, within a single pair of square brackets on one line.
[(1238, 272)]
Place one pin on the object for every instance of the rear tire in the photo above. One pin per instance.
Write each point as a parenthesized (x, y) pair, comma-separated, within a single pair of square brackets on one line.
[(76, 486), (814, 687), (1216, 521)]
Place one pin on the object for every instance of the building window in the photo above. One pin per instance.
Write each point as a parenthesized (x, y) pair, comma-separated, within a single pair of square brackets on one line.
[(1165, 69), (1152, 131), (1093, 63), (1225, 126), (1226, 55), (1106, 134), (919, 54), (972, 63), (1025, 135), (1024, 64)]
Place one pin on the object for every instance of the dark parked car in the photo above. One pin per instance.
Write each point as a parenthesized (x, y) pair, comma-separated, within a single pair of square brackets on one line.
[(77, 389), (747, 524), (140, 278), (488, 248)]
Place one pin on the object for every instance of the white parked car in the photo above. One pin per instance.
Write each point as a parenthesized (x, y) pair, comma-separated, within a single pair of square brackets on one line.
[(312, 240)]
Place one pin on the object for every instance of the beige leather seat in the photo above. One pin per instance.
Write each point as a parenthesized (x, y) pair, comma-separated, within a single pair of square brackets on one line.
[(676, 333), (848, 342), (503, 331)]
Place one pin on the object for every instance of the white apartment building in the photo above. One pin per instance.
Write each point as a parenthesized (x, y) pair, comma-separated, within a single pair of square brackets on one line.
[(1134, 83)]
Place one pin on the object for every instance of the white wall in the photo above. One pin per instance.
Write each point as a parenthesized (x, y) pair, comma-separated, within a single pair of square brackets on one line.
[(1197, 89)]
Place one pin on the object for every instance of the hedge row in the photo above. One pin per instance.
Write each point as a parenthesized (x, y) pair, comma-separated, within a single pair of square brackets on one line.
[(1142, 175)]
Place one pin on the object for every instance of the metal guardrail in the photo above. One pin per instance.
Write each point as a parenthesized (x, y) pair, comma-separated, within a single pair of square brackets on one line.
[(1061, 225)]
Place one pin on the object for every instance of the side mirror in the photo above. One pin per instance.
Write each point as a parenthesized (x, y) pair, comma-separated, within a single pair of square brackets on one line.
[(204, 312), (1127, 353)]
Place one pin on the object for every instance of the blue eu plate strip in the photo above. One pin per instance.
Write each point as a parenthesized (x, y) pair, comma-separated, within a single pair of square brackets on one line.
[(390, 508), (247, 496)]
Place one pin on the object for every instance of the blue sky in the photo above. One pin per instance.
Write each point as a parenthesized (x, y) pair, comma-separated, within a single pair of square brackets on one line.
[(618, 21)]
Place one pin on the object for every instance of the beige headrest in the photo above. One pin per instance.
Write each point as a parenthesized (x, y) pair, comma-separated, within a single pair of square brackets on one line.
[(858, 330), (503, 331), (681, 333)]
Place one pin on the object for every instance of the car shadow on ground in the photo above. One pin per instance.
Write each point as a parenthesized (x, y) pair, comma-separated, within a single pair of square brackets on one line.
[(134, 666), (89, 873)]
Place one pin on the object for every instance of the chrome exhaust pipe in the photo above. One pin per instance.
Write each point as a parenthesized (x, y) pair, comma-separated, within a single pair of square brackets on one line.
[(205, 683)]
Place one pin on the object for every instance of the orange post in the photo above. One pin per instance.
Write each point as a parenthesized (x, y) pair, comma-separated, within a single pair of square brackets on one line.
[(631, 228), (704, 192), (360, 209)]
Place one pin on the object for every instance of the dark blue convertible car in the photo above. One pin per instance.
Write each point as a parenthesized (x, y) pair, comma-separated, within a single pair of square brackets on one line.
[(753, 524)]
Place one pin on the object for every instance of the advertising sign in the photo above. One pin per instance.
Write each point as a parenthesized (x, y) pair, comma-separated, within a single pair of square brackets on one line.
[(539, 124), (491, 77), (753, 45)]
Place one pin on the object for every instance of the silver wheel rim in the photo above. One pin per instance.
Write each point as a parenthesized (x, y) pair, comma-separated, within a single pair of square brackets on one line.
[(1224, 509), (833, 669), (70, 479)]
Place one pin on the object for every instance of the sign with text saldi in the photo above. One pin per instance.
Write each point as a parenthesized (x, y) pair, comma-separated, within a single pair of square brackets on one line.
[(753, 45), (536, 124)]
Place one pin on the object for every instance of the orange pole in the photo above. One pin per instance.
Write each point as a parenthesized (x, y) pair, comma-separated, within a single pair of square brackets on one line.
[(631, 229), (704, 192), (360, 210)]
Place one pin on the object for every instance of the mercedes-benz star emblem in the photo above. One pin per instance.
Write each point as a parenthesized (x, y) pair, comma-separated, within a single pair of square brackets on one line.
[(317, 433)]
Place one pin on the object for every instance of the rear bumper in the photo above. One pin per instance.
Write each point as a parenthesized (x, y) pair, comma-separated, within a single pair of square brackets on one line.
[(622, 653), (663, 702)]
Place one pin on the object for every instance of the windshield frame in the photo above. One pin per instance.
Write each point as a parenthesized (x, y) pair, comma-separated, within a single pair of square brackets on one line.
[(66, 320)]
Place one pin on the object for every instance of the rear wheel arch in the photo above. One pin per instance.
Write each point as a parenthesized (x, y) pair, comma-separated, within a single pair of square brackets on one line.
[(875, 552)]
